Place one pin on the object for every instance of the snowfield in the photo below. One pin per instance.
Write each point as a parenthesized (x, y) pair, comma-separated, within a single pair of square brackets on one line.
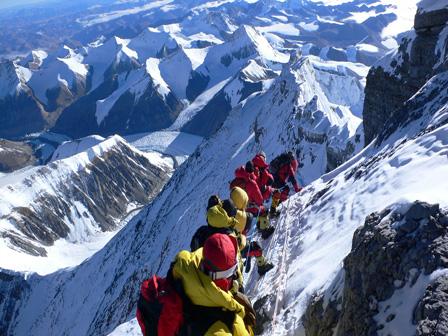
[(177, 145)]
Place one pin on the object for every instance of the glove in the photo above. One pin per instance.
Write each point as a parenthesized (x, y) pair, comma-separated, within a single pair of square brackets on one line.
[(249, 317)]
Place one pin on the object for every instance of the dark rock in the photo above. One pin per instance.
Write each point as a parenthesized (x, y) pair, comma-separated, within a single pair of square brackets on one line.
[(13, 287), (431, 314), (263, 317), (390, 251), (414, 65), (15, 155)]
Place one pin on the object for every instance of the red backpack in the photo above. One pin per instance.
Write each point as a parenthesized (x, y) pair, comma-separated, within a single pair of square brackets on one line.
[(160, 309)]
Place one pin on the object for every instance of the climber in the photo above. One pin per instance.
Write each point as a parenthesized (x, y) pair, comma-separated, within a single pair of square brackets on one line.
[(252, 249), (225, 226), (263, 177), (207, 275), (194, 298), (245, 178), (283, 168)]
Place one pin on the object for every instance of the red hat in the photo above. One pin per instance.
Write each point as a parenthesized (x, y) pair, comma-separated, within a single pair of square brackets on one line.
[(260, 161), (220, 260), (220, 252)]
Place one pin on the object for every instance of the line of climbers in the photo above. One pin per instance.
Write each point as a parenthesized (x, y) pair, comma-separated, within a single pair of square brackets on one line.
[(203, 291)]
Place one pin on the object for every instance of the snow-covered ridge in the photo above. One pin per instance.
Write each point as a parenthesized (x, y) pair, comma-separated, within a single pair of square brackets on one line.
[(66, 200)]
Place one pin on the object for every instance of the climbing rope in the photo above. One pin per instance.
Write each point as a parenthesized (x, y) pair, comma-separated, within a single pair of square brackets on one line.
[(283, 272)]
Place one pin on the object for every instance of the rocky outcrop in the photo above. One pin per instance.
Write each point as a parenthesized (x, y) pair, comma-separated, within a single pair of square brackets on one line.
[(15, 155), (396, 79), (431, 313), (396, 250)]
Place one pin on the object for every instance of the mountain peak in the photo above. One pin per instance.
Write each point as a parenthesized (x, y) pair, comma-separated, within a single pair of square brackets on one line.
[(9, 79)]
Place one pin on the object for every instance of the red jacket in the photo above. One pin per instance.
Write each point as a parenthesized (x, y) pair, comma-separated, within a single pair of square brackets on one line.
[(251, 186), (263, 177), (288, 173)]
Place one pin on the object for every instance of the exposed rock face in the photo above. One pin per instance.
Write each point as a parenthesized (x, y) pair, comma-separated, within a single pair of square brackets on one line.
[(394, 80), (394, 250), (13, 287), (431, 313), (20, 113), (129, 114), (15, 155), (98, 193)]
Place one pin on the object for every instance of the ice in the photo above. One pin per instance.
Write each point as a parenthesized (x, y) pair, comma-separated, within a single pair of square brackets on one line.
[(325, 230)]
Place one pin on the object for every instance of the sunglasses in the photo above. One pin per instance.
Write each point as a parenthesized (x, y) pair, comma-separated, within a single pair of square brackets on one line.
[(217, 275)]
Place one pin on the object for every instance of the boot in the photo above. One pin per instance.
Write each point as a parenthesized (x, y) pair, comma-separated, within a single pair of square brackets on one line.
[(265, 226), (266, 233), (263, 266), (273, 212)]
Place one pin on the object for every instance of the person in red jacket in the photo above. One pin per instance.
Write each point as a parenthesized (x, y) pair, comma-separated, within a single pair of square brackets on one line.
[(263, 177), (284, 169), (246, 179)]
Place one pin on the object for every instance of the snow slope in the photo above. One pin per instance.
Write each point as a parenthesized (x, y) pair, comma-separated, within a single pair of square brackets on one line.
[(147, 244), (177, 145), (70, 148), (323, 229)]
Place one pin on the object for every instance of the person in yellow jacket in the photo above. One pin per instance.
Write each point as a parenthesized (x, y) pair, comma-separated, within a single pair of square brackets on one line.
[(206, 276), (220, 217), (240, 199)]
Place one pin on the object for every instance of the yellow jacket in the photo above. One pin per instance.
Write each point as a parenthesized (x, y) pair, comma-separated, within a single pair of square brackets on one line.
[(240, 200), (218, 218), (202, 291)]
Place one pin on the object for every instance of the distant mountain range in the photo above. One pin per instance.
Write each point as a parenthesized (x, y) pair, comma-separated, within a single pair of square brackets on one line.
[(208, 57)]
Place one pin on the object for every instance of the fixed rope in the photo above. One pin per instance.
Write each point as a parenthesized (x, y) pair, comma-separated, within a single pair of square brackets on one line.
[(283, 272)]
